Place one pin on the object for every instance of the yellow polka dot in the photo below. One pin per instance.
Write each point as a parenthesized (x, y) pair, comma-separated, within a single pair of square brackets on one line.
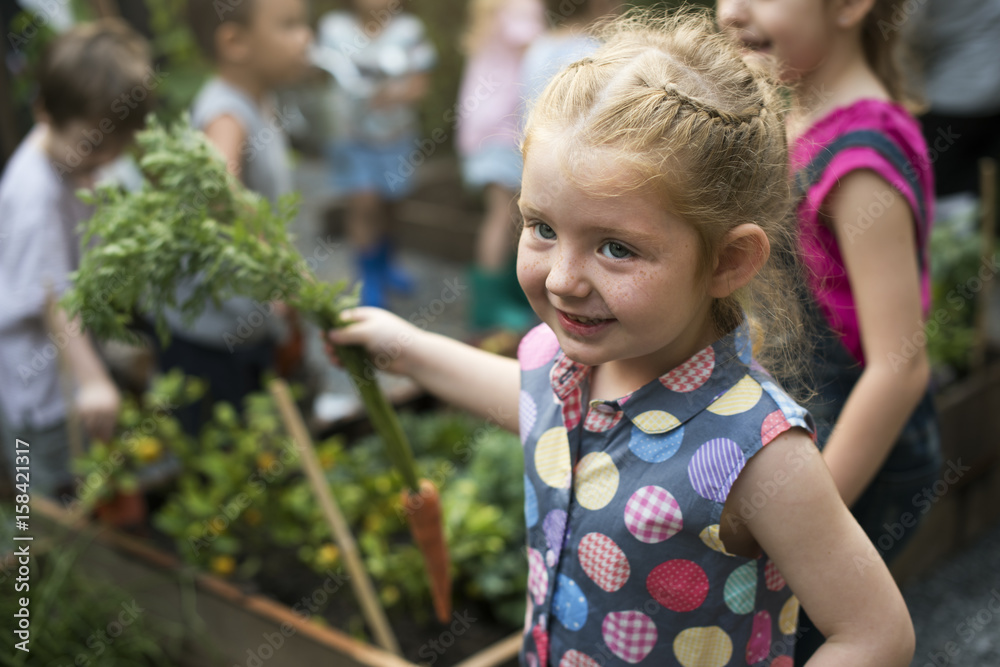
[(741, 397), (788, 621), (656, 421), (703, 647), (552, 458), (710, 536), (596, 480)]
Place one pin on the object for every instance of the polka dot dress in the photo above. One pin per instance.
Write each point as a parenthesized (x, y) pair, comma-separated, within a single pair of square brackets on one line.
[(623, 501)]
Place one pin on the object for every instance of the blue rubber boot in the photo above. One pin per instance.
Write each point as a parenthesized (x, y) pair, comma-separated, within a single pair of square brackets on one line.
[(394, 276), (371, 272)]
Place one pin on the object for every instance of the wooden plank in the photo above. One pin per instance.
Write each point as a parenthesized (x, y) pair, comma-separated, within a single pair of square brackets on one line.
[(239, 625)]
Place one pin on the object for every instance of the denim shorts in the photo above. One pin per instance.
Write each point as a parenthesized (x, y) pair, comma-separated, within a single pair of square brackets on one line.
[(386, 169), (497, 164)]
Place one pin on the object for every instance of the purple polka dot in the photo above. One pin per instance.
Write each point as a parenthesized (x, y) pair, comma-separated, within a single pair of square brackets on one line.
[(714, 468)]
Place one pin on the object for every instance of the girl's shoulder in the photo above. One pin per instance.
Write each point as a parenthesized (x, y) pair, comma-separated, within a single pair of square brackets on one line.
[(881, 116)]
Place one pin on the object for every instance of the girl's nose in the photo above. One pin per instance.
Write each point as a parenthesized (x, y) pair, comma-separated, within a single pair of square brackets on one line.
[(567, 277), (732, 13)]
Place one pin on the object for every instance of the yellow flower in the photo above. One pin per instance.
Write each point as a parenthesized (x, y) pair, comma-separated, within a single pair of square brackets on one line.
[(327, 555), (223, 565), (265, 460), (148, 449)]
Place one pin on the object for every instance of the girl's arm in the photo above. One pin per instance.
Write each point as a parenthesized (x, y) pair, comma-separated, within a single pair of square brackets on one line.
[(228, 135), (881, 262), (822, 552), (483, 383), (97, 398)]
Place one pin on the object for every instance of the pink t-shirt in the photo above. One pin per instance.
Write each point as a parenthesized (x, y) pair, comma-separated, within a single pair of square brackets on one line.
[(827, 276), (490, 96)]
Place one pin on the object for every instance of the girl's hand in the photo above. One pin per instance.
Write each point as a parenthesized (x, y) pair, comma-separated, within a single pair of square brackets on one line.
[(386, 337)]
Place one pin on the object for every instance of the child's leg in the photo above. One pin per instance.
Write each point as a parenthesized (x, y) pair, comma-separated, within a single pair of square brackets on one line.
[(495, 243), (493, 303), (48, 452)]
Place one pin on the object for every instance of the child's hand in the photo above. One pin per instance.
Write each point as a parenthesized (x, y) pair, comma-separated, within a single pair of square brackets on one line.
[(386, 337), (97, 403)]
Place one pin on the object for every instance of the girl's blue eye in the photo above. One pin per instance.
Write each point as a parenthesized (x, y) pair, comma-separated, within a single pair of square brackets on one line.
[(615, 250), (543, 231)]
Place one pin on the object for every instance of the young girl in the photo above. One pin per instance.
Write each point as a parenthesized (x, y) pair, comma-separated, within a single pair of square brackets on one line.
[(865, 185), (673, 496), (499, 32)]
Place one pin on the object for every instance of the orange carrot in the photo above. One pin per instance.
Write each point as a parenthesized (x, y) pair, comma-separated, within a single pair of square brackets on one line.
[(424, 512)]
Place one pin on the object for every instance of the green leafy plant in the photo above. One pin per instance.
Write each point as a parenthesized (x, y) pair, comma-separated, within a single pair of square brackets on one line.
[(240, 497), (956, 258), (146, 432), (76, 620)]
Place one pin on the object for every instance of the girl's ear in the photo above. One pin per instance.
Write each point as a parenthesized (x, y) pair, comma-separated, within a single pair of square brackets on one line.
[(743, 251), (852, 13)]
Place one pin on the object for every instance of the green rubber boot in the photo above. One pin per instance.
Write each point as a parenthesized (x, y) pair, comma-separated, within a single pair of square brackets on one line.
[(492, 307)]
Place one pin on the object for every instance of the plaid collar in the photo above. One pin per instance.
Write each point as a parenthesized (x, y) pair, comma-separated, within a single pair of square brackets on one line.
[(666, 402)]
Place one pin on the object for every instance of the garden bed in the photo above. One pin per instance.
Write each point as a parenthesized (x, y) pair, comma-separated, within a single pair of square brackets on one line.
[(232, 626), (966, 502)]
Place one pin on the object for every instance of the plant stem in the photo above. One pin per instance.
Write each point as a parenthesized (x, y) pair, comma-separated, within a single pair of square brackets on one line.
[(380, 411)]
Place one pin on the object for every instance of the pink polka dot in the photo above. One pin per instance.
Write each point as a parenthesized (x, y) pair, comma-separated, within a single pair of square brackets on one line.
[(773, 578), (603, 561), (542, 644), (679, 585), (630, 635), (573, 658), (760, 638), (538, 577), (537, 348), (774, 425), (783, 661)]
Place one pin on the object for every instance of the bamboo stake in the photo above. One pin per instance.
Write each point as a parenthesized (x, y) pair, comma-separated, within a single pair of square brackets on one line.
[(987, 232), (360, 582)]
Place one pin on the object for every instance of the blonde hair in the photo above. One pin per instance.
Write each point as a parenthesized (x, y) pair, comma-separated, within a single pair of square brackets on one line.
[(701, 129)]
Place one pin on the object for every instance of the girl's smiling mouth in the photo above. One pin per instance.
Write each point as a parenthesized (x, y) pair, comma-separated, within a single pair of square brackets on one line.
[(582, 326)]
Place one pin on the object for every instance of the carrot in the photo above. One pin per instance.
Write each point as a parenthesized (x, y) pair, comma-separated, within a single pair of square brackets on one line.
[(424, 511)]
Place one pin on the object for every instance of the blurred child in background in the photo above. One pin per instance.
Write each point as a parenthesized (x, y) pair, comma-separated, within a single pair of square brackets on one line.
[(381, 58), (866, 190), (499, 32), (256, 47), (566, 40), (86, 116)]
